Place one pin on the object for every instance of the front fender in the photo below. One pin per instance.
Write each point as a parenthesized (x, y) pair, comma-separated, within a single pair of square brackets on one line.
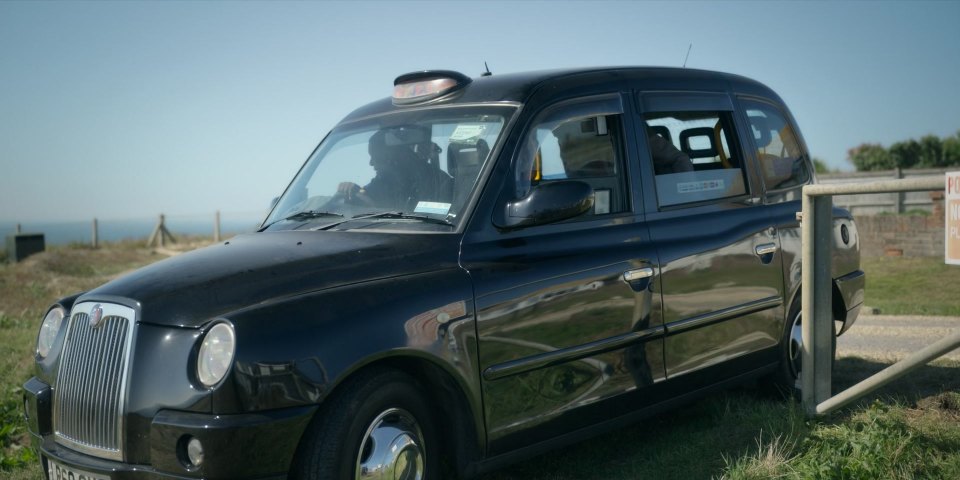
[(295, 351)]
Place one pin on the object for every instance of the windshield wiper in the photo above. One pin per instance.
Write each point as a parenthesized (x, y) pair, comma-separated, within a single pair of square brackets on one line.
[(406, 216), (304, 215), (401, 215), (312, 214)]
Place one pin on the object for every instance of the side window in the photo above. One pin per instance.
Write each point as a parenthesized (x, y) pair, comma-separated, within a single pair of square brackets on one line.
[(693, 157), (782, 161), (582, 147)]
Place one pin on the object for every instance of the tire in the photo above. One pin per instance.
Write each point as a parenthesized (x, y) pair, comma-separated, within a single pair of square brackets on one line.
[(376, 425), (787, 379)]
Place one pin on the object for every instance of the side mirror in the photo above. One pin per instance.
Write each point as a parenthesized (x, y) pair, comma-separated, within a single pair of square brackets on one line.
[(548, 203)]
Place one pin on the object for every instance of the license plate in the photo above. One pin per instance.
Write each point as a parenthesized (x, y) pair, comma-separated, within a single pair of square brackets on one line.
[(63, 472)]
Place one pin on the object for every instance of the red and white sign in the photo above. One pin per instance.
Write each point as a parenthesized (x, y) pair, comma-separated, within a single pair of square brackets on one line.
[(952, 224)]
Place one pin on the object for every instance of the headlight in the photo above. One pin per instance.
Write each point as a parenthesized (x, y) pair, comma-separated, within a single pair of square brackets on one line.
[(216, 354), (49, 329)]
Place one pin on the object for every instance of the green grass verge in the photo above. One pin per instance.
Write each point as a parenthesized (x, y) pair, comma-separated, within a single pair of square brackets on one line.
[(910, 429), (912, 286)]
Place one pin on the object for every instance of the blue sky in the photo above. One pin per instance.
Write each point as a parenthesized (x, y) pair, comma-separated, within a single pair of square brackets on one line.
[(129, 109)]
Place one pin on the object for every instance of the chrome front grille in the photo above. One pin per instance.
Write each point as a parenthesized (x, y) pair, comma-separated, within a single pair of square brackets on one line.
[(89, 392)]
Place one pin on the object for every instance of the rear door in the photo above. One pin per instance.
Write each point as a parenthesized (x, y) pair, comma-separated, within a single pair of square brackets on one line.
[(721, 273)]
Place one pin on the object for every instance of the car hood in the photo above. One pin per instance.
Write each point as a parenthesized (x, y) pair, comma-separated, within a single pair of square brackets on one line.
[(189, 289)]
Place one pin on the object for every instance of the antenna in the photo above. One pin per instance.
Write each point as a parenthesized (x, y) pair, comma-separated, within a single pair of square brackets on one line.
[(487, 73), (688, 55)]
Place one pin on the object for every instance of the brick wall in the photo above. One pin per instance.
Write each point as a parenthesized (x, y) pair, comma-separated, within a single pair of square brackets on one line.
[(896, 235)]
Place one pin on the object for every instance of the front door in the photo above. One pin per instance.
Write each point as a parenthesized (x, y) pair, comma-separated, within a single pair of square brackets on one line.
[(566, 314)]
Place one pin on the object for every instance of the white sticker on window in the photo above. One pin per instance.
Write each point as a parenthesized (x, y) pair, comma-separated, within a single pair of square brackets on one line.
[(467, 132), (432, 207), (601, 201), (701, 186)]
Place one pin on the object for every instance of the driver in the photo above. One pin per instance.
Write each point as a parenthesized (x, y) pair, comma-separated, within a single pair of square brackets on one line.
[(402, 178)]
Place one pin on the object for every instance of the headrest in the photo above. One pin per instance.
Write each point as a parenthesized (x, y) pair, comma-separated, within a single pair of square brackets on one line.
[(465, 156), (761, 128), (701, 132)]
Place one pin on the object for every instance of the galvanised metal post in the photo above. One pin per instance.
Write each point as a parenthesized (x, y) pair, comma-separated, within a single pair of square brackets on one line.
[(817, 324)]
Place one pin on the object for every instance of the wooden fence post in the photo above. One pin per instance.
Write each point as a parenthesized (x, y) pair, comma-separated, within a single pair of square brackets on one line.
[(19, 230), (96, 234), (160, 234), (216, 227)]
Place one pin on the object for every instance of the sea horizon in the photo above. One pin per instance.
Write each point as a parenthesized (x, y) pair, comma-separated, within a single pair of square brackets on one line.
[(81, 231)]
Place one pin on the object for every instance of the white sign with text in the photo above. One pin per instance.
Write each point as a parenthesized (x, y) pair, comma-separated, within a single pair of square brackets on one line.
[(952, 224)]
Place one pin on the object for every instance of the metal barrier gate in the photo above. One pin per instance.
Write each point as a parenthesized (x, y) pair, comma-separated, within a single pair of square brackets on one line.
[(817, 322)]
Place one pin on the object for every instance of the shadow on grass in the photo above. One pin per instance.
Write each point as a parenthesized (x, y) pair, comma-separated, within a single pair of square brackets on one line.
[(925, 381), (697, 440), (687, 443)]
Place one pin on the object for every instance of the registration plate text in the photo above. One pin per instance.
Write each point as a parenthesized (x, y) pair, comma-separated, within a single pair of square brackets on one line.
[(63, 472)]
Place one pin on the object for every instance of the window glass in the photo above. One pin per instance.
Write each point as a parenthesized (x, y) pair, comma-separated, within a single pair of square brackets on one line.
[(692, 157), (416, 163), (585, 149), (782, 162)]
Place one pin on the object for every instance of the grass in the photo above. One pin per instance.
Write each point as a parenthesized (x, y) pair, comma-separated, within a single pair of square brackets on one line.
[(880, 441), (912, 286), (910, 429)]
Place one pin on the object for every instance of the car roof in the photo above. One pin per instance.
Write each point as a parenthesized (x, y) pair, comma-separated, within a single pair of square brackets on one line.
[(521, 87)]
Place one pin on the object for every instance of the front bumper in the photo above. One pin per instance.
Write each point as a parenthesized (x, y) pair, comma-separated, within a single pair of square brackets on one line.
[(253, 445)]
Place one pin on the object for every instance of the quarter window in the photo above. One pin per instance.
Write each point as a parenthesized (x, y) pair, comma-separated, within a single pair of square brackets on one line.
[(692, 157), (781, 159)]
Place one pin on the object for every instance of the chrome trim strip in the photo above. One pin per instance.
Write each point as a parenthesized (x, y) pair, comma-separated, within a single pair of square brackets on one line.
[(638, 274), (77, 380), (563, 355), (721, 315), (766, 249)]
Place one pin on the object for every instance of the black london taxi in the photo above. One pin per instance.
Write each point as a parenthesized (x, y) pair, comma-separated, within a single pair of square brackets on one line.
[(469, 272)]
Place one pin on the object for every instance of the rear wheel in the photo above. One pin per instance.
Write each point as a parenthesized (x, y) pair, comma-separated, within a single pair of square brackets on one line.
[(788, 377), (377, 426)]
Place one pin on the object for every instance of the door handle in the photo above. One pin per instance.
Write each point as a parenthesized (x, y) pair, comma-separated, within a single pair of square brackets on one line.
[(766, 249), (638, 274), (638, 279)]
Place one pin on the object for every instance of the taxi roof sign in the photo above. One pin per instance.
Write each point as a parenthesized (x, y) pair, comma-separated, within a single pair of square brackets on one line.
[(418, 87)]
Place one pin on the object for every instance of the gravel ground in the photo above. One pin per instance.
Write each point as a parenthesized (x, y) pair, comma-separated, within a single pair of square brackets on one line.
[(893, 337)]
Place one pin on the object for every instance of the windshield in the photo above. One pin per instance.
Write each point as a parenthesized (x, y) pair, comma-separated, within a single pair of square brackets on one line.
[(396, 171)]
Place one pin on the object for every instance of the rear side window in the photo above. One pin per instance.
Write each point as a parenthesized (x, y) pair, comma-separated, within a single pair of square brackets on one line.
[(693, 158), (782, 161)]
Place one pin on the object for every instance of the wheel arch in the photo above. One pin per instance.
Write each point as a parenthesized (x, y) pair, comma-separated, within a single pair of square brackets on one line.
[(838, 309), (444, 391)]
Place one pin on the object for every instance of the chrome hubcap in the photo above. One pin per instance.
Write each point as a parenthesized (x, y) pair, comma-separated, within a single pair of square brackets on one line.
[(392, 448), (796, 348)]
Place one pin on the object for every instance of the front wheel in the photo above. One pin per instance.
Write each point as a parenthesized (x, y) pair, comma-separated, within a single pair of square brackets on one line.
[(376, 426)]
